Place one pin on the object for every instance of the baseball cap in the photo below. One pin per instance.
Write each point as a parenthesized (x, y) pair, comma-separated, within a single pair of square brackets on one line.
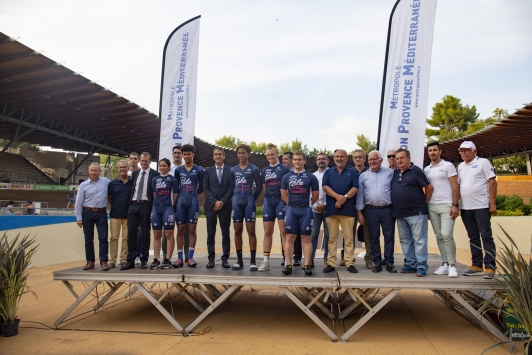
[(30, 201), (467, 145)]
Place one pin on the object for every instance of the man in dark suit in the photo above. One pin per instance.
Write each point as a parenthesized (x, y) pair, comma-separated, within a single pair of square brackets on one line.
[(218, 194), (139, 212)]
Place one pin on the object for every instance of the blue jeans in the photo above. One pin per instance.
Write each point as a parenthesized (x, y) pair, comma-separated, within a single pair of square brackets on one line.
[(317, 220), (376, 218), (478, 226), (413, 235), (89, 219)]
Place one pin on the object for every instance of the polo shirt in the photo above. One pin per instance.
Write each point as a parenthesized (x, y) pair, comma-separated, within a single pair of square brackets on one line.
[(120, 202), (408, 198), (341, 183), (473, 179), (439, 178)]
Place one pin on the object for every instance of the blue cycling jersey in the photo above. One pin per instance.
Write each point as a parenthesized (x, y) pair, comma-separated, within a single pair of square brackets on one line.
[(164, 187), (191, 181), (299, 187), (271, 178), (242, 181)]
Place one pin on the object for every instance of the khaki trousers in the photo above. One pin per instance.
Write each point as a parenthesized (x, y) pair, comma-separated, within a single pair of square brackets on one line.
[(116, 225), (333, 224)]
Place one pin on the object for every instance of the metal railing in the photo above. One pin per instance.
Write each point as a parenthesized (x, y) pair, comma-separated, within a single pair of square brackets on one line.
[(47, 171)]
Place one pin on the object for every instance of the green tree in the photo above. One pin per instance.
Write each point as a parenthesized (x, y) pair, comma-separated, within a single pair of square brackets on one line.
[(4, 142), (510, 165), (229, 142), (498, 115), (111, 162), (450, 119), (258, 147), (293, 147), (365, 144)]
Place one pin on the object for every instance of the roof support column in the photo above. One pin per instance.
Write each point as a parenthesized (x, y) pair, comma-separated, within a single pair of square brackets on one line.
[(528, 168), (79, 164)]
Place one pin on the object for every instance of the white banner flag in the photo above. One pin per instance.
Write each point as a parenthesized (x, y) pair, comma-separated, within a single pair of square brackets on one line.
[(177, 108), (406, 78)]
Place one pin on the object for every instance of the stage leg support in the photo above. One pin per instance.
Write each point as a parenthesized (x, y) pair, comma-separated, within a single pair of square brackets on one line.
[(371, 312), (309, 312)]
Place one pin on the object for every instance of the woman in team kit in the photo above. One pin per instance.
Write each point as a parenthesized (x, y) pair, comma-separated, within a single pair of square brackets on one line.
[(296, 188), (274, 207), (244, 177), (165, 189)]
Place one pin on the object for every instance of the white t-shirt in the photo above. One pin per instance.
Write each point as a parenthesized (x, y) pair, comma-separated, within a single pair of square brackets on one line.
[(321, 199), (473, 179), (438, 176)]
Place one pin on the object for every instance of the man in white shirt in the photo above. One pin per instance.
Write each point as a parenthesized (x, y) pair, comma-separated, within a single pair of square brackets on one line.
[(443, 207), (177, 155), (318, 210), (478, 191)]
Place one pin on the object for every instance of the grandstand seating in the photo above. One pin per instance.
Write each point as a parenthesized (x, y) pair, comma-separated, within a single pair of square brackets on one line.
[(16, 169)]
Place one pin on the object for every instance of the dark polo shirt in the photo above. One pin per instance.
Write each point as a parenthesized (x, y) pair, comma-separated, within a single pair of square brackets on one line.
[(340, 183), (408, 198), (121, 193)]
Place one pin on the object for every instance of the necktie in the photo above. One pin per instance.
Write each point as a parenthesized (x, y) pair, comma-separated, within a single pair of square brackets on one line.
[(219, 175), (141, 186)]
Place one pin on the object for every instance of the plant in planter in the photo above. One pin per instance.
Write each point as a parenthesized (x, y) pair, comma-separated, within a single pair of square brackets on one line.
[(16, 256), (515, 274)]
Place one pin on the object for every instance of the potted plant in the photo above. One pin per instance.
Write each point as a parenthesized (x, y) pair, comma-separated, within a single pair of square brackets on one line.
[(16, 256), (515, 274)]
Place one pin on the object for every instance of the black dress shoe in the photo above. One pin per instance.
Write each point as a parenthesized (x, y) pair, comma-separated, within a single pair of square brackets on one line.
[(127, 266), (328, 268), (297, 262), (143, 265), (225, 264), (312, 264), (391, 268), (377, 268), (352, 269), (210, 264)]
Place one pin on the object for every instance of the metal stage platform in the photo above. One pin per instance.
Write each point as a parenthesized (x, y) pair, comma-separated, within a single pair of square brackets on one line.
[(333, 296)]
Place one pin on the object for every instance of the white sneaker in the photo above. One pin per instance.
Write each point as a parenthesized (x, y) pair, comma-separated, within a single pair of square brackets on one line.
[(137, 261), (253, 267), (452, 271), (442, 270), (265, 266)]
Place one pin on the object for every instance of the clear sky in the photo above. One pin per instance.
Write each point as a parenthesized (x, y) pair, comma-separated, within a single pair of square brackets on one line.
[(271, 71)]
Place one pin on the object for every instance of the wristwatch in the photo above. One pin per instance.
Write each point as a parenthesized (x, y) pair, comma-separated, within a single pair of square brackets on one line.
[(455, 205), (346, 196)]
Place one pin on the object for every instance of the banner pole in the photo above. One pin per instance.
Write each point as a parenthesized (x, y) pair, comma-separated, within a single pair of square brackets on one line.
[(385, 70)]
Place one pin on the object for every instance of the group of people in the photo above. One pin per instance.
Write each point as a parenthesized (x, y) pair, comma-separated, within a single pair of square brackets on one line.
[(9, 208), (343, 196)]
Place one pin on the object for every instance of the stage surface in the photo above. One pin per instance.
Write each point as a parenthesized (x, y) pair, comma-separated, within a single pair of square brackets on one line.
[(326, 298)]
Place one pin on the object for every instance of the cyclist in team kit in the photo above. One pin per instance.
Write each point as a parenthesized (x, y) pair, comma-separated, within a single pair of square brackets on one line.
[(244, 178), (165, 189), (187, 209), (296, 189), (274, 207)]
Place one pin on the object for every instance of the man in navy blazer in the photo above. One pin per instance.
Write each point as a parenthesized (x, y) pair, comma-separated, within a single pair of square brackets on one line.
[(139, 212), (218, 194)]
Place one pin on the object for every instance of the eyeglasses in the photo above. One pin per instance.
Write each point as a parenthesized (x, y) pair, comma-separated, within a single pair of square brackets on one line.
[(374, 159), (391, 156)]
